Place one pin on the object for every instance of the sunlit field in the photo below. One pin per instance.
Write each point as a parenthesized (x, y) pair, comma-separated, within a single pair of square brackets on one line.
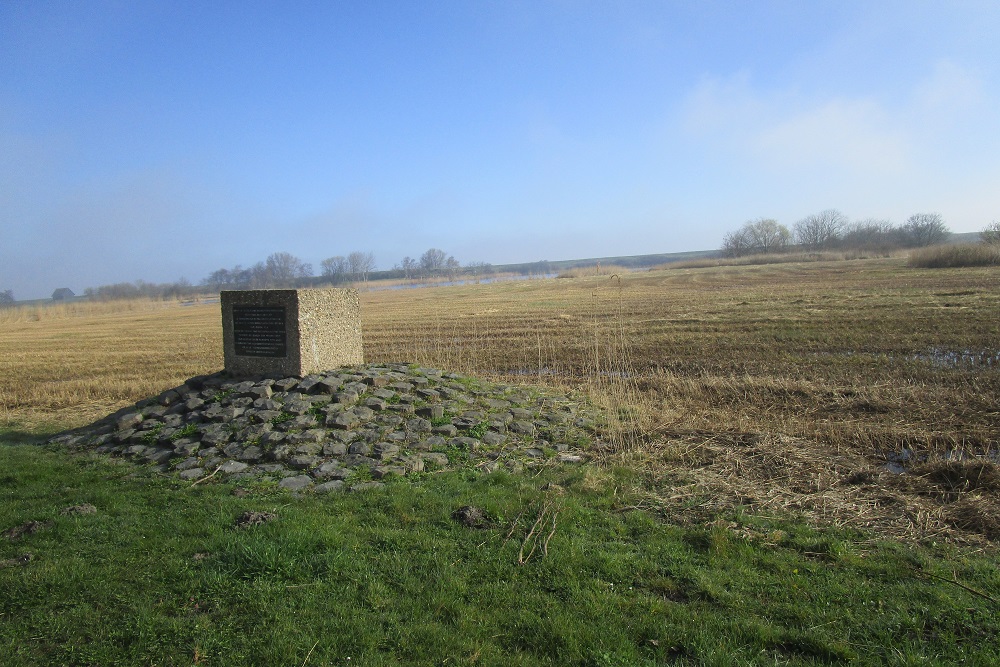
[(797, 465), (768, 383)]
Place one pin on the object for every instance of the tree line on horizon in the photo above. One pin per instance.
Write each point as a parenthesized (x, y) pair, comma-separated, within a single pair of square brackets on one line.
[(285, 270), (832, 230), (826, 230)]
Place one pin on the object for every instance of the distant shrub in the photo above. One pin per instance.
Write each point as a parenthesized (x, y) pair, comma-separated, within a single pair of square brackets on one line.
[(954, 256), (991, 234)]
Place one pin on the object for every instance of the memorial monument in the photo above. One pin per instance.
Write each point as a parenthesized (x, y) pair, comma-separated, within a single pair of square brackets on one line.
[(290, 332)]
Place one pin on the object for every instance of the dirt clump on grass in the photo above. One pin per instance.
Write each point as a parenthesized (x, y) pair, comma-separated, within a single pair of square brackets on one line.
[(26, 528), (472, 517), (85, 508), (250, 518)]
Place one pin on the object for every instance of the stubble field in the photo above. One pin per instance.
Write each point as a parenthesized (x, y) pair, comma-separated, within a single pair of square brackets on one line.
[(804, 386)]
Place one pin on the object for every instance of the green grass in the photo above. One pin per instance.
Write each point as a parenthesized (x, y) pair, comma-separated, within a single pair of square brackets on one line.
[(161, 575)]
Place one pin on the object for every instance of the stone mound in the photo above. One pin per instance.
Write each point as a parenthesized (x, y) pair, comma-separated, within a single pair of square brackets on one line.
[(342, 429)]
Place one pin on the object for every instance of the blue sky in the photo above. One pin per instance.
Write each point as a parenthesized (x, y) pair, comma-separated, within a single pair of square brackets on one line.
[(159, 140)]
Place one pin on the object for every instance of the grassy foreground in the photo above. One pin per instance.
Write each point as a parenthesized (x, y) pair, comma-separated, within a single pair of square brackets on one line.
[(562, 571)]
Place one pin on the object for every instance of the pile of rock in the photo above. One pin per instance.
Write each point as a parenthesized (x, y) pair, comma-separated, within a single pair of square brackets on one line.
[(342, 429)]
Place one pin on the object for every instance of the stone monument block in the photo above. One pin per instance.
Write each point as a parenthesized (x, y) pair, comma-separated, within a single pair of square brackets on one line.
[(285, 332)]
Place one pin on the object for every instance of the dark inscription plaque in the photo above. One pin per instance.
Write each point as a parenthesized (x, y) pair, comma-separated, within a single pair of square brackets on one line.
[(259, 331)]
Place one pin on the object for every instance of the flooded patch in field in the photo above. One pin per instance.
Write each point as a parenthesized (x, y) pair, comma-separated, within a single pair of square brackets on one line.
[(900, 462), (940, 357), (960, 358)]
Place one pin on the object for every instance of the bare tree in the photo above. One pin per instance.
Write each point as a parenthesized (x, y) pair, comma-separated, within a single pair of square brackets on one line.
[(990, 234), (408, 266), (432, 261), (871, 234), (7, 298), (756, 237), (820, 230), (360, 264), (284, 268), (479, 268), (736, 243), (334, 268), (452, 266), (925, 229)]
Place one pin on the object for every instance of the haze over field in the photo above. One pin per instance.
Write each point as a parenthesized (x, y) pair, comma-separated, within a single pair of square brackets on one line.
[(154, 142)]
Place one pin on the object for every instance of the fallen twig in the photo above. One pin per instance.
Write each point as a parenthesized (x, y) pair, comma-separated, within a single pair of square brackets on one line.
[(960, 585), (207, 477)]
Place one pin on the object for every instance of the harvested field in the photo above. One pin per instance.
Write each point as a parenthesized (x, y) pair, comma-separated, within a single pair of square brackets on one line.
[(766, 386)]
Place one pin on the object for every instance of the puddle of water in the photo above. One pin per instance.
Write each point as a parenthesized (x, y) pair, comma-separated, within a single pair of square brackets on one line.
[(959, 358), (943, 358), (467, 281), (897, 462)]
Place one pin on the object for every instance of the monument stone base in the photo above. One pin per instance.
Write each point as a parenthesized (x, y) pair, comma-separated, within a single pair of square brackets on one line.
[(286, 332)]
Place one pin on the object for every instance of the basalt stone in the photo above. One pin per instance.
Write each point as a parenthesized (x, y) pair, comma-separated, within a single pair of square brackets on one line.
[(522, 428), (390, 420), (267, 404), (343, 436), (413, 463), (160, 456), (309, 448), (464, 443), (300, 422), (186, 447), (493, 439), (231, 467), (332, 470), (359, 461), (344, 420), (363, 413), (431, 411), (367, 486), (345, 397), (435, 458), (272, 438), (419, 425), (362, 448), (302, 461), (383, 450), (297, 407), (187, 464), (264, 417), (233, 450), (335, 486), (190, 474), (251, 454), (381, 472), (311, 435), (296, 483), (445, 429), (334, 449), (376, 404)]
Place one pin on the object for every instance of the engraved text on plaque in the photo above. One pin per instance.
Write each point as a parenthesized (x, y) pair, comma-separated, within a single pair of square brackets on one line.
[(259, 331)]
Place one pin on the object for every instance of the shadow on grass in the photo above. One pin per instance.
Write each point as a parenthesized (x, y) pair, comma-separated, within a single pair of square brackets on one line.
[(18, 437)]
